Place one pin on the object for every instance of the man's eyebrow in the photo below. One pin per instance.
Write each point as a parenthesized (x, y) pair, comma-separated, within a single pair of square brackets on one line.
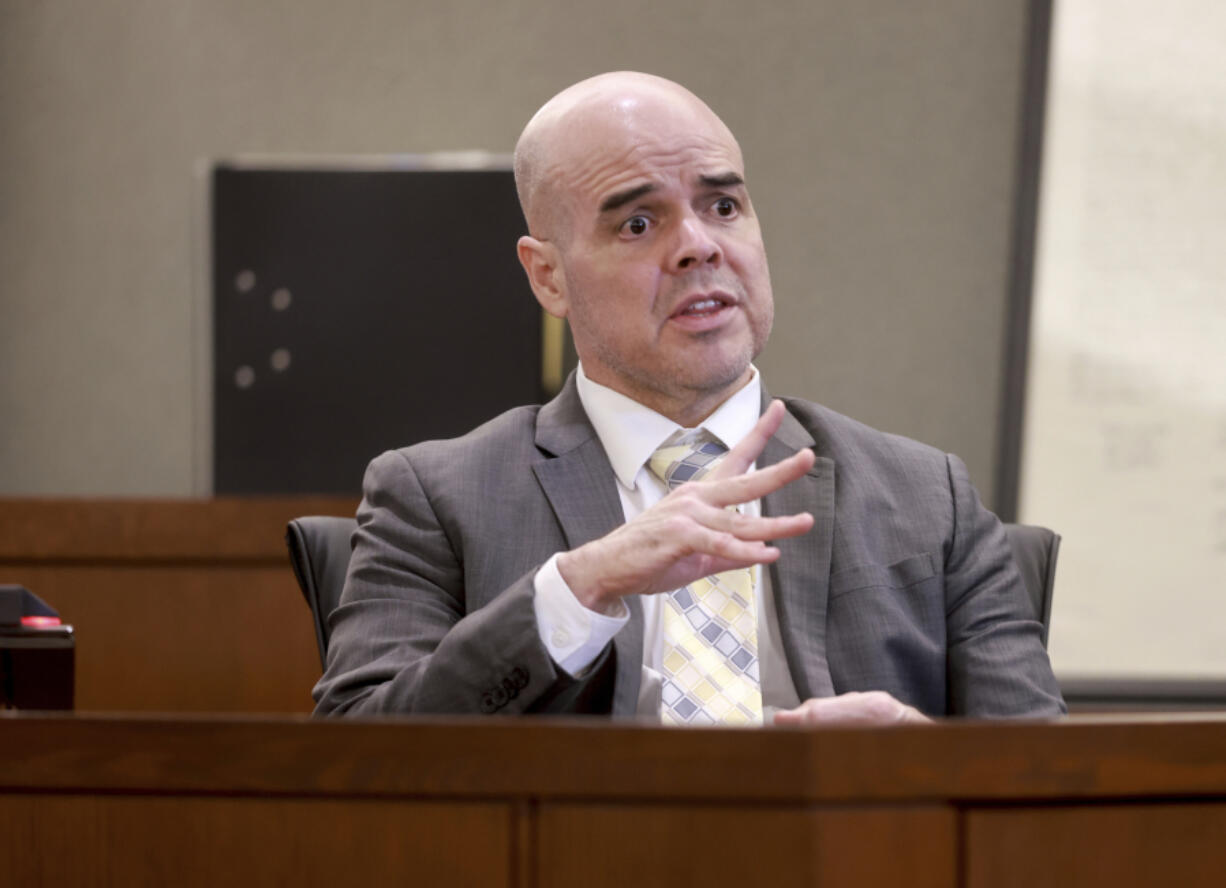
[(621, 198), (724, 180)]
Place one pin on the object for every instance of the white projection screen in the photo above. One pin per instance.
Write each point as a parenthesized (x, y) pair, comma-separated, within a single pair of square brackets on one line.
[(1124, 442)]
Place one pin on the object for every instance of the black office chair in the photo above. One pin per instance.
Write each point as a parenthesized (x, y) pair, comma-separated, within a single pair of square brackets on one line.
[(1035, 550), (319, 552)]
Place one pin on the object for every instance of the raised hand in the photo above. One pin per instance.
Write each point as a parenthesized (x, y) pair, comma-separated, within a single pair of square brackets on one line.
[(691, 533)]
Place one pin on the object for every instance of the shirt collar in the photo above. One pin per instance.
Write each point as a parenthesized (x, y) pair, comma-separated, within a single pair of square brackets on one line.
[(631, 432)]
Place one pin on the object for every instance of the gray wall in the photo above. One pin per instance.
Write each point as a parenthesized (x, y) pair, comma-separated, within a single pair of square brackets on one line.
[(880, 139)]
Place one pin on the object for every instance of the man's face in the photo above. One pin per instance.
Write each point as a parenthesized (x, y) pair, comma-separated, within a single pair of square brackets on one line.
[(663, 269)]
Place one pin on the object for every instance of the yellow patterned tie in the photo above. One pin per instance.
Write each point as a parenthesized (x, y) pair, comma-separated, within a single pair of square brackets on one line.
[(710, 659)]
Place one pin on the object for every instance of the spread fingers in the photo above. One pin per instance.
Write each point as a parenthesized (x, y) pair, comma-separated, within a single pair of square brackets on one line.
[(760, 527), (743, 488), (746, 453)]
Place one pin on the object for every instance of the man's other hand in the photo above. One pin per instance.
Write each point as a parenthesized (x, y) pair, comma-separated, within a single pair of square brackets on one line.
[(852, 708), (691, 533)]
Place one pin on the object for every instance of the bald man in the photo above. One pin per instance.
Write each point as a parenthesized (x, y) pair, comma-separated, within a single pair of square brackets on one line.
[(662, 539)]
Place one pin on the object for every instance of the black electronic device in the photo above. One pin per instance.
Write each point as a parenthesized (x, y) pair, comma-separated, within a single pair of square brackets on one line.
[(37, 653)]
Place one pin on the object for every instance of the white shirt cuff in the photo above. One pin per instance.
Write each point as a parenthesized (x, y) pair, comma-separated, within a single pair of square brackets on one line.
[(573, 634)]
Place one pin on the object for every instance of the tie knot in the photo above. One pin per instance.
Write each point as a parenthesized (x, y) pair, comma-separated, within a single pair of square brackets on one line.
[(683, 461)]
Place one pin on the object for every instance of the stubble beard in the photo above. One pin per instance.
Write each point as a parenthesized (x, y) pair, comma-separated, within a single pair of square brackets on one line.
[(681, 384)]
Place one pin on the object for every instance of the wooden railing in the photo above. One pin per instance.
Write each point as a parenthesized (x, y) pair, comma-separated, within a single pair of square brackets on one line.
[(177, 605)]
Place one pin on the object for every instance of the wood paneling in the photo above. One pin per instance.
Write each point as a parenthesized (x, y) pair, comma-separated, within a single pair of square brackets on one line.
[(189, 841), (183, 638), (221, 529), (177, 605), (674, 846), (533, 802), (1157, 845)]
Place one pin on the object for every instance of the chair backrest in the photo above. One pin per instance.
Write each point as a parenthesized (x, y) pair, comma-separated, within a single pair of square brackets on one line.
[(1035, 550), (319, 549)]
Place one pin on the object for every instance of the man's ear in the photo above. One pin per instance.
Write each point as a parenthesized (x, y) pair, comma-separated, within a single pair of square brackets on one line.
[(542, 263)]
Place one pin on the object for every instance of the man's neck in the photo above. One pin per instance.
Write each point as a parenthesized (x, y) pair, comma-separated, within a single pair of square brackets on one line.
[(631, 431), (688, 411)]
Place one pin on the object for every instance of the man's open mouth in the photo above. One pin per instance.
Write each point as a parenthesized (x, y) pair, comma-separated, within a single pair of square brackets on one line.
[(703, 306)]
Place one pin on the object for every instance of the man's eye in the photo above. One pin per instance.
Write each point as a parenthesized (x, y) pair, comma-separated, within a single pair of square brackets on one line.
[(635, 225), (726, 207)]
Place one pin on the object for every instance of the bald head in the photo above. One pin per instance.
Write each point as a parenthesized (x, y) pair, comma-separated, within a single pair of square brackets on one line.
[(643, 237), (555, 145)]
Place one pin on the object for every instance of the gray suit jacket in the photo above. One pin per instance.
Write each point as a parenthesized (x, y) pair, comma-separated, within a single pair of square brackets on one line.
[(905, 584)]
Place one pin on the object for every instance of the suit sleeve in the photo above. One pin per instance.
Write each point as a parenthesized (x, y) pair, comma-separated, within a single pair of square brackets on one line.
[(403, 639), (996, 663)]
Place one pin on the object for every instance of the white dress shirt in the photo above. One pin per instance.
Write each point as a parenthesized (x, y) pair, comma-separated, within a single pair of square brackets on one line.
[(630, 433)]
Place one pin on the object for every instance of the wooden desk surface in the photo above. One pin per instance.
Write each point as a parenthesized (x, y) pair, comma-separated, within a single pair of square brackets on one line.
[(532, 802), (1077, 758)]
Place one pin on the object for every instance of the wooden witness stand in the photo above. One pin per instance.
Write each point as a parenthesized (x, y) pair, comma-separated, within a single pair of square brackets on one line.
[(188, 608), (208, 801), (178, 605)]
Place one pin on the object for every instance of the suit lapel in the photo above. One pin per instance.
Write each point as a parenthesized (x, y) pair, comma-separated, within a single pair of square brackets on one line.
[(580, 486), (801, 577)]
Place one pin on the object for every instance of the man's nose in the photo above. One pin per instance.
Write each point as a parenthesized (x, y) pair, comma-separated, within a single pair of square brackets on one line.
[(695, 245)]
